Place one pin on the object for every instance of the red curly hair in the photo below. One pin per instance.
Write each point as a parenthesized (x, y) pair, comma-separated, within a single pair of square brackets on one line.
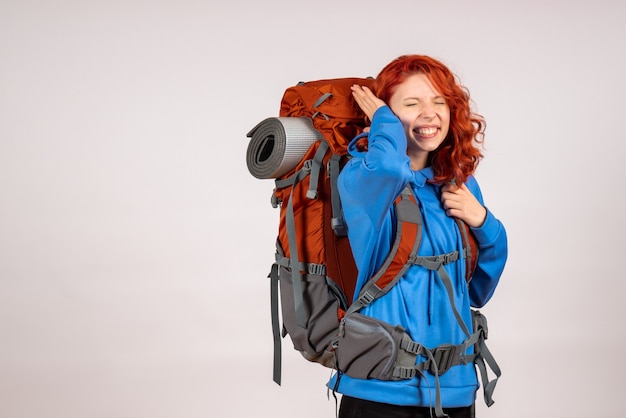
[(458, 156)]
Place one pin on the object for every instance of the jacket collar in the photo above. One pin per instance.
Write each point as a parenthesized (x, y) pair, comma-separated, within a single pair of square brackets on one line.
[(420, 177)]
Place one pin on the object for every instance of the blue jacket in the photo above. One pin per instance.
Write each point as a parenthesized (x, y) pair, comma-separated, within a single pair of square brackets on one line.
[(368, 185)]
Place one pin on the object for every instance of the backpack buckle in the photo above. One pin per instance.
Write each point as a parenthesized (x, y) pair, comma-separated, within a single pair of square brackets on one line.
[(316, 269), (339, 226), (274, 200), (448, 258), (445, 356)]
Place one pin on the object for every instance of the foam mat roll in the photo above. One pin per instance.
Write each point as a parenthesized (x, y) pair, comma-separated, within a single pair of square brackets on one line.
[(278, 144)]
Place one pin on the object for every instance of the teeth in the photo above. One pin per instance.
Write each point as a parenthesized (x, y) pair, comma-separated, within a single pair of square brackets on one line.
[(426, 131)]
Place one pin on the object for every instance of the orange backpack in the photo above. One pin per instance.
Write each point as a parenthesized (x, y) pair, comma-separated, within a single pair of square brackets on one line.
[(311, 232)]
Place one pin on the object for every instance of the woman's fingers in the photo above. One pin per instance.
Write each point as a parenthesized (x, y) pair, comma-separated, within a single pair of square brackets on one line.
[(366, 100), (461, 203)]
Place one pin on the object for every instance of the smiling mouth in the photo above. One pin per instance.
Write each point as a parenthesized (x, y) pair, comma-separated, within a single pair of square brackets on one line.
[(426, 132)]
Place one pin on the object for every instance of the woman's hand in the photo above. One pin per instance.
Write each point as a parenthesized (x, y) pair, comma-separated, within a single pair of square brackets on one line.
[(460, 203), (366, 100)]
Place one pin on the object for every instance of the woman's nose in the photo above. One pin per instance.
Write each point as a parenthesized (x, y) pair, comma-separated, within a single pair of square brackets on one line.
[(428, 112)]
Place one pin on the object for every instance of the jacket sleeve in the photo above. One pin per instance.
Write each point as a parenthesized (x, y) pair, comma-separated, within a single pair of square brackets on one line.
[(492, 254), (373, 179)]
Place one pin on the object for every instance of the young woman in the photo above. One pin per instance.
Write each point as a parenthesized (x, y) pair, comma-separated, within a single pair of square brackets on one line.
[(422, 134)]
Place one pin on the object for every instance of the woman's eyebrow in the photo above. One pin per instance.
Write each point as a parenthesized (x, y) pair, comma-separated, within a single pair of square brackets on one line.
[(419, 99)]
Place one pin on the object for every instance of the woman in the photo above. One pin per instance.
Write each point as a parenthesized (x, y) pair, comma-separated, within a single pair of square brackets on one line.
[(422, 133)]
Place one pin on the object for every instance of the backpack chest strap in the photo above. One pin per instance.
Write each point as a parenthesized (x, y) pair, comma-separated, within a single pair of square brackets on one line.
[(434, 262)]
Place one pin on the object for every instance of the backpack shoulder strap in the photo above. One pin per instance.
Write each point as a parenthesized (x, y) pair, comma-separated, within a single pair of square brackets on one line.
[(404, 249), (470, 249)]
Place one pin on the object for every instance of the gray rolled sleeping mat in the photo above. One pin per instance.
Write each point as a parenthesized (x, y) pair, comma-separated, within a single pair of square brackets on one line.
[(278, 144)]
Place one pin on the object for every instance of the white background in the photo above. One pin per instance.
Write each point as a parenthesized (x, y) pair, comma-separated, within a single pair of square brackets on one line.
[(134, 243)]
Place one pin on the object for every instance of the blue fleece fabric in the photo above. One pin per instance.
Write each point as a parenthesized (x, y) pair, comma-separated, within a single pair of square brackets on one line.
[(368, 186)]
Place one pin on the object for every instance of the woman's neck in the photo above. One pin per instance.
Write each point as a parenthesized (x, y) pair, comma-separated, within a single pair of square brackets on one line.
[(418, 161)]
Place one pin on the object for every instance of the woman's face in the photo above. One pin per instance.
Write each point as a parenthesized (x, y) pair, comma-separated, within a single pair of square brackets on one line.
[(424, 114)]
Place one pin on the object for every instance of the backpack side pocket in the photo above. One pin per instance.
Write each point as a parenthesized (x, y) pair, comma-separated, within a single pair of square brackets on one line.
[(368, 348)]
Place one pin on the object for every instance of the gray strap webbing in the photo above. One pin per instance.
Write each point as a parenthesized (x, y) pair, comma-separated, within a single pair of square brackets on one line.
[(321, 99), (431, 360), (337, 222), (316, 167), (438, 407), (275, 322), (296, 276), (282, 183), (310, 268), (438, 361), (484, 355), (437, 264), (318, 102)]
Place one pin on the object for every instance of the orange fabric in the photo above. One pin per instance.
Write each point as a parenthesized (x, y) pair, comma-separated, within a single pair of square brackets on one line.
[(345, 119)]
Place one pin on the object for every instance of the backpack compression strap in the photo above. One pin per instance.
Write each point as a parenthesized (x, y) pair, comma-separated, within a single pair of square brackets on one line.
[(338, 224)]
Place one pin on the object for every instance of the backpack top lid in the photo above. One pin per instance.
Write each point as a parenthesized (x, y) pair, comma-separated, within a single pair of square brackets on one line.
[(331, 107)]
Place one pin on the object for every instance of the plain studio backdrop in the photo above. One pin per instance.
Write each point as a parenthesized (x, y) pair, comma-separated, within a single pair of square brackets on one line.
[(135, 244)]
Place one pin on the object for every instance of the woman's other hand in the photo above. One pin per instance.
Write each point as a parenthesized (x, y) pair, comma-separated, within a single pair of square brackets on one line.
[(460, 203)]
